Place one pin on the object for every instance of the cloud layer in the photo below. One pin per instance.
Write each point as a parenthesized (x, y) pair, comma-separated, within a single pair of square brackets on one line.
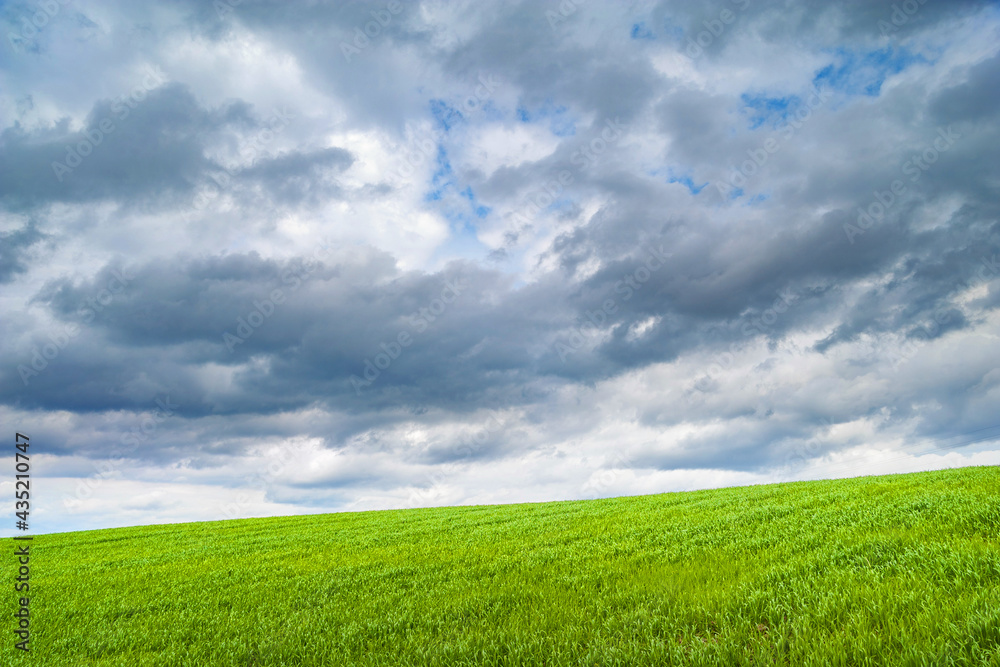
[(271, 259)]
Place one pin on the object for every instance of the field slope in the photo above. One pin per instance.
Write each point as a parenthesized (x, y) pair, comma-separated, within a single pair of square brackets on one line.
[(892, 570)]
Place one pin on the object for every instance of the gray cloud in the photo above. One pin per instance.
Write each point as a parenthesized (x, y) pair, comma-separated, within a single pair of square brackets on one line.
[(788, 251), (14, 246)]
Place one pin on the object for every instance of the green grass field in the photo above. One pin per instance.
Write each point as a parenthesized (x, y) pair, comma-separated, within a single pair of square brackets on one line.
[(892, 570)]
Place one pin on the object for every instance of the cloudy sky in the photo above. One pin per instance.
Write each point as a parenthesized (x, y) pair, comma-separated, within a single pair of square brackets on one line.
[(265, 258)]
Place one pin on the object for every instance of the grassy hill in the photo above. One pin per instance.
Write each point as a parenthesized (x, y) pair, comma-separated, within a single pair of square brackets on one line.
[(892, 570)]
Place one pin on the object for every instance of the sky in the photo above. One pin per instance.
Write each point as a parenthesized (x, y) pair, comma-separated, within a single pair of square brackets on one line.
[(274, 258)]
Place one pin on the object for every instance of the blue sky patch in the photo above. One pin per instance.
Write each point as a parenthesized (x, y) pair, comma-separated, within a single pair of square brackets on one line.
[(864, 73), (682, 177), (453, 209), (641, 31), (560, 121), (445, 115), (443, 176), (773, 111), (675, 30), (479, 210), (687, 182)]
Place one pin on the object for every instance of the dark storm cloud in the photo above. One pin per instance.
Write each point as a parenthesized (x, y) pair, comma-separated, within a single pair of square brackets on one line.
[(129, 149), (335, 318), (329, 322), (153, 147), (976, 99), (13, 250)]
